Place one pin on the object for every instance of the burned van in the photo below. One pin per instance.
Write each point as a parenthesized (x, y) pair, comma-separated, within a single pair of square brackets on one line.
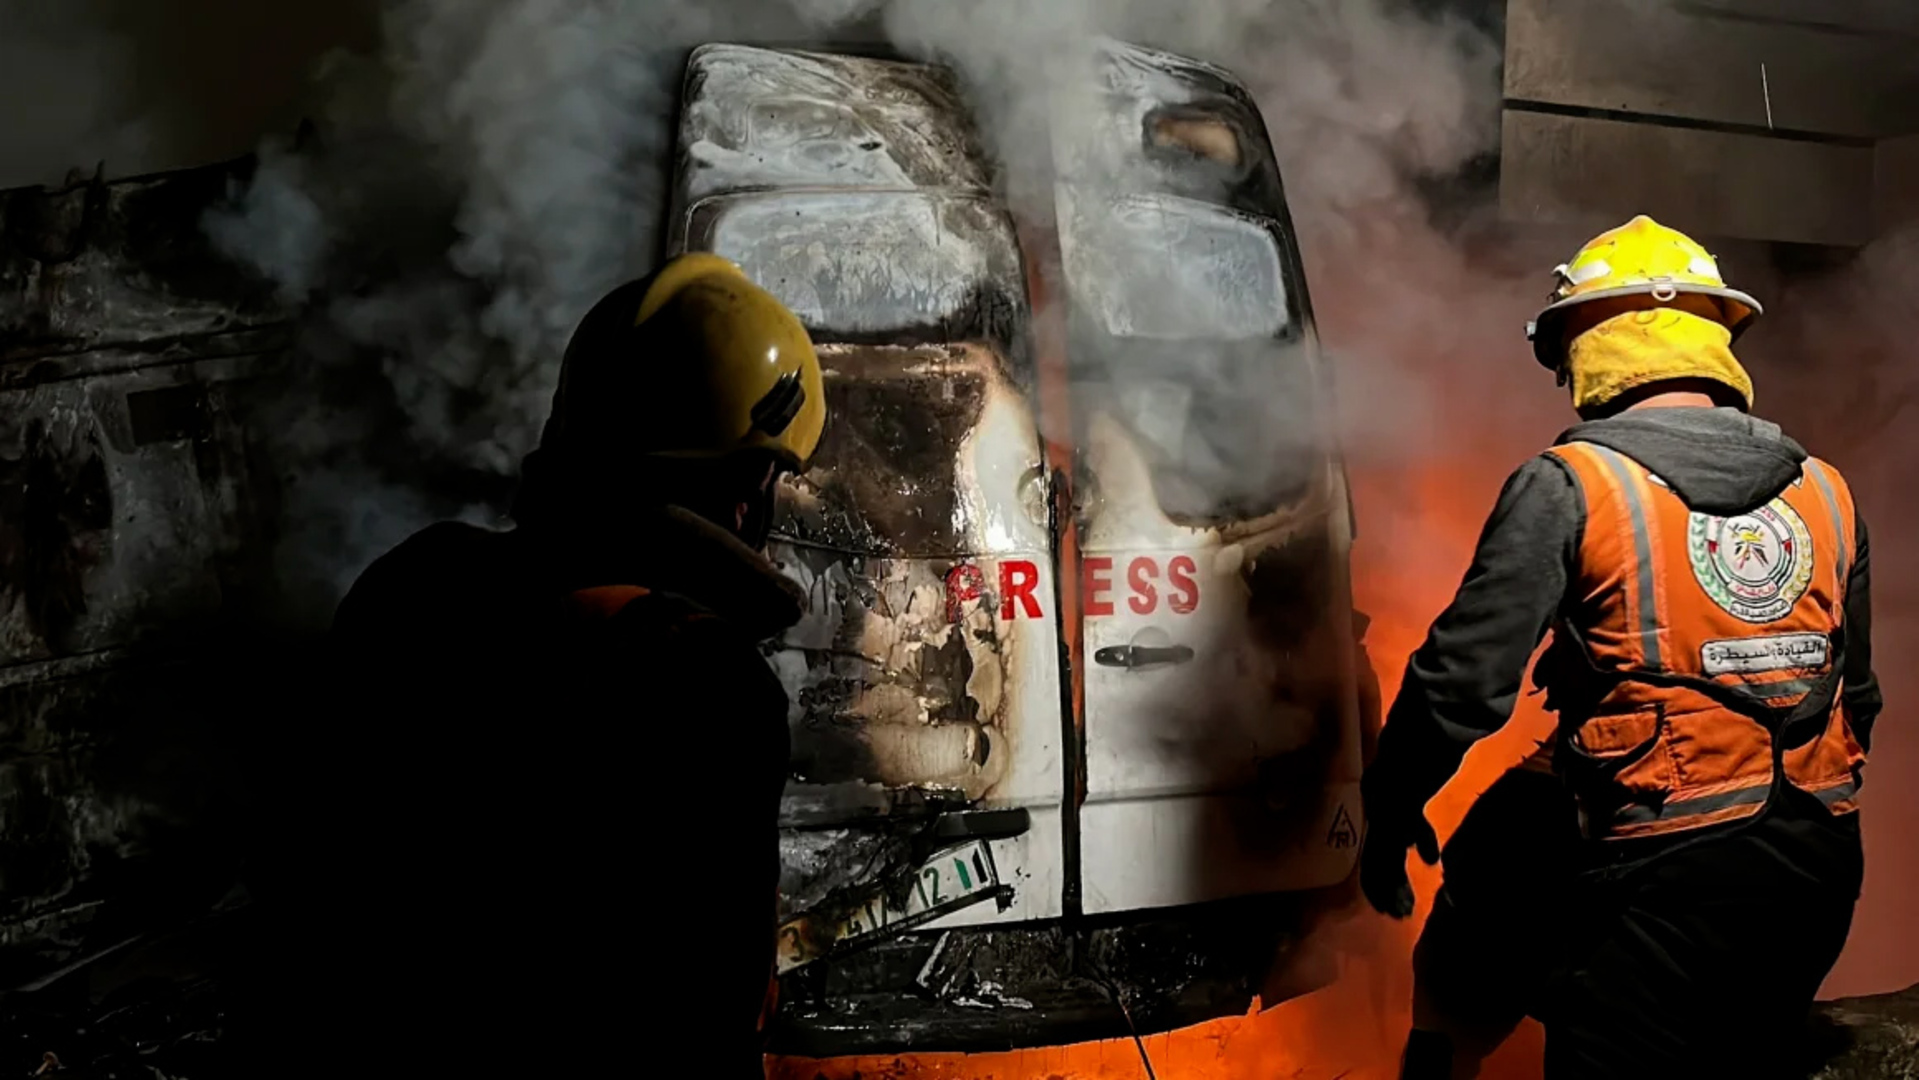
[(133, 531), (1073, 705)]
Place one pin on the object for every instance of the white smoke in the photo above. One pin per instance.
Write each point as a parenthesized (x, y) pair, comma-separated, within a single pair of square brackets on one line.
[(469, 191), (1833, 362), (475, 187), (498, 164), (463, 198), (502, 164)]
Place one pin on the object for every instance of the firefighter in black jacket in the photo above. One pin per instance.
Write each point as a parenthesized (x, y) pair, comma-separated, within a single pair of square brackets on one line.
[(1671, 902), (548, 837)]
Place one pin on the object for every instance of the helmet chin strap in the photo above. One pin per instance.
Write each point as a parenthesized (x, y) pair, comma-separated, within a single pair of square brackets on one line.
[(757, 524)]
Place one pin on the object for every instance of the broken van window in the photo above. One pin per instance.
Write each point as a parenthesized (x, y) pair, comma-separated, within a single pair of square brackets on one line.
[(1163, 124), (1199, 134)]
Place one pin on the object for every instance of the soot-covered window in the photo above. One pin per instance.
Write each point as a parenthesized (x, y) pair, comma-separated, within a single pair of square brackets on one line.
[(1228, 429), (1185, 330), (884, 480), (885, 267), (915, 301), (1154, 266)]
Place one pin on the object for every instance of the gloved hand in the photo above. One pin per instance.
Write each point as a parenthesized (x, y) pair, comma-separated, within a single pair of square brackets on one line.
[(1413, 762), (1382, 860)]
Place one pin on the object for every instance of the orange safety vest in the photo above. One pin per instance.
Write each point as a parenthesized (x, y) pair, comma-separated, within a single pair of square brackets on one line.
[(1706, 651)]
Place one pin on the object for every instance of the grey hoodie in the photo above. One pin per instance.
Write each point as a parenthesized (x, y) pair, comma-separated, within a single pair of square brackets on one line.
[(1460, 686)]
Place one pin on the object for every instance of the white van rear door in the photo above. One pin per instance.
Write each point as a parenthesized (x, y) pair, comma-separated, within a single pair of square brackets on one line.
[(1221, 721)]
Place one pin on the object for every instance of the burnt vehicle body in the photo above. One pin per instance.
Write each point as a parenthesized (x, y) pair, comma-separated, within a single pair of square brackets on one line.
[(1074, 710), (135, 520)]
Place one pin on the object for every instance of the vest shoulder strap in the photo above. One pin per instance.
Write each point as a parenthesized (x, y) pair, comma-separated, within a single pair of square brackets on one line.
[(1603, 471), (1836, 495)]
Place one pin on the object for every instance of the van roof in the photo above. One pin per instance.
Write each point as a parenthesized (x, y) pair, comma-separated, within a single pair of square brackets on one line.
[(754, 118)]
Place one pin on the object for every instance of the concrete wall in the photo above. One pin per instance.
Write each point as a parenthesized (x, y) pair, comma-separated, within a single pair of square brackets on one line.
[(1896, 182), (1708, 182), (1748, 118)]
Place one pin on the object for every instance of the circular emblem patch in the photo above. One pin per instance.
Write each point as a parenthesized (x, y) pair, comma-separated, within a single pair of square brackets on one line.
[(1755, 565)]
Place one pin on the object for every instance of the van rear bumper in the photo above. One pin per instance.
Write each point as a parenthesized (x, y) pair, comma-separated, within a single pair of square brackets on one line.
[(982, 989)]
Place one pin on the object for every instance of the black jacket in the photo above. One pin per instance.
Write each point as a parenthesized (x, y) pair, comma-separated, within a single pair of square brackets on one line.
[(1461, 684), (542, 840)]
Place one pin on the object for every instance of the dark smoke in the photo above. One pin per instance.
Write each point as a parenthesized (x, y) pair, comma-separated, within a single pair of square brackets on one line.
[(146, 87), (61, 99), (459, 201)]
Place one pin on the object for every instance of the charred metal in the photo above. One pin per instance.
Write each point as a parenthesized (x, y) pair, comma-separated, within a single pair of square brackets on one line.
[(134, 522), (983, 989), (899, 419), (98, 264)]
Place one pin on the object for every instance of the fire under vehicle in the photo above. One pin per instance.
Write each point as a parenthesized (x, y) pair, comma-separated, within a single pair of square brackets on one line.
[(1074, 709)]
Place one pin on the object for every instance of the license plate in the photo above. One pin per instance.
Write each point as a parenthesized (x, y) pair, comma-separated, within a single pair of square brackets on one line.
[(956, 878)]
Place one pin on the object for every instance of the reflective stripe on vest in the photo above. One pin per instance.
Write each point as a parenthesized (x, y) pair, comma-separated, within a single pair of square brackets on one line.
[(1751, 797), (1705, 636), (1647, 599), (1841, 528)]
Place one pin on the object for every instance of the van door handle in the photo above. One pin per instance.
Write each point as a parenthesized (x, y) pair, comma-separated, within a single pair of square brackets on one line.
[(1138, 656)]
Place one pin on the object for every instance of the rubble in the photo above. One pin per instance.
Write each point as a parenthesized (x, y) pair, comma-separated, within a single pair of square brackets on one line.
[(158, 1005), (1865, 1038)]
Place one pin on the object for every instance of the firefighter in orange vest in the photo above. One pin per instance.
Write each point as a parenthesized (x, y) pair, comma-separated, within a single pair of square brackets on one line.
[(1705, 583), (550, 810)]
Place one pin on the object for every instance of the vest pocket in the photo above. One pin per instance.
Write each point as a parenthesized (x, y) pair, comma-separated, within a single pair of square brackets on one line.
[(1619, 760), (1828, 762), (1621, 739)]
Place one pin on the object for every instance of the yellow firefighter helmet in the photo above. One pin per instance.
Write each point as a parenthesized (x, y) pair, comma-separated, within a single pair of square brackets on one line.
[(1641, 258), (693, 361)]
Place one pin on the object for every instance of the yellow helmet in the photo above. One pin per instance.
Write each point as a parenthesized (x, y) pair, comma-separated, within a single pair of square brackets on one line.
[(693, 361), (1639, 258)]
